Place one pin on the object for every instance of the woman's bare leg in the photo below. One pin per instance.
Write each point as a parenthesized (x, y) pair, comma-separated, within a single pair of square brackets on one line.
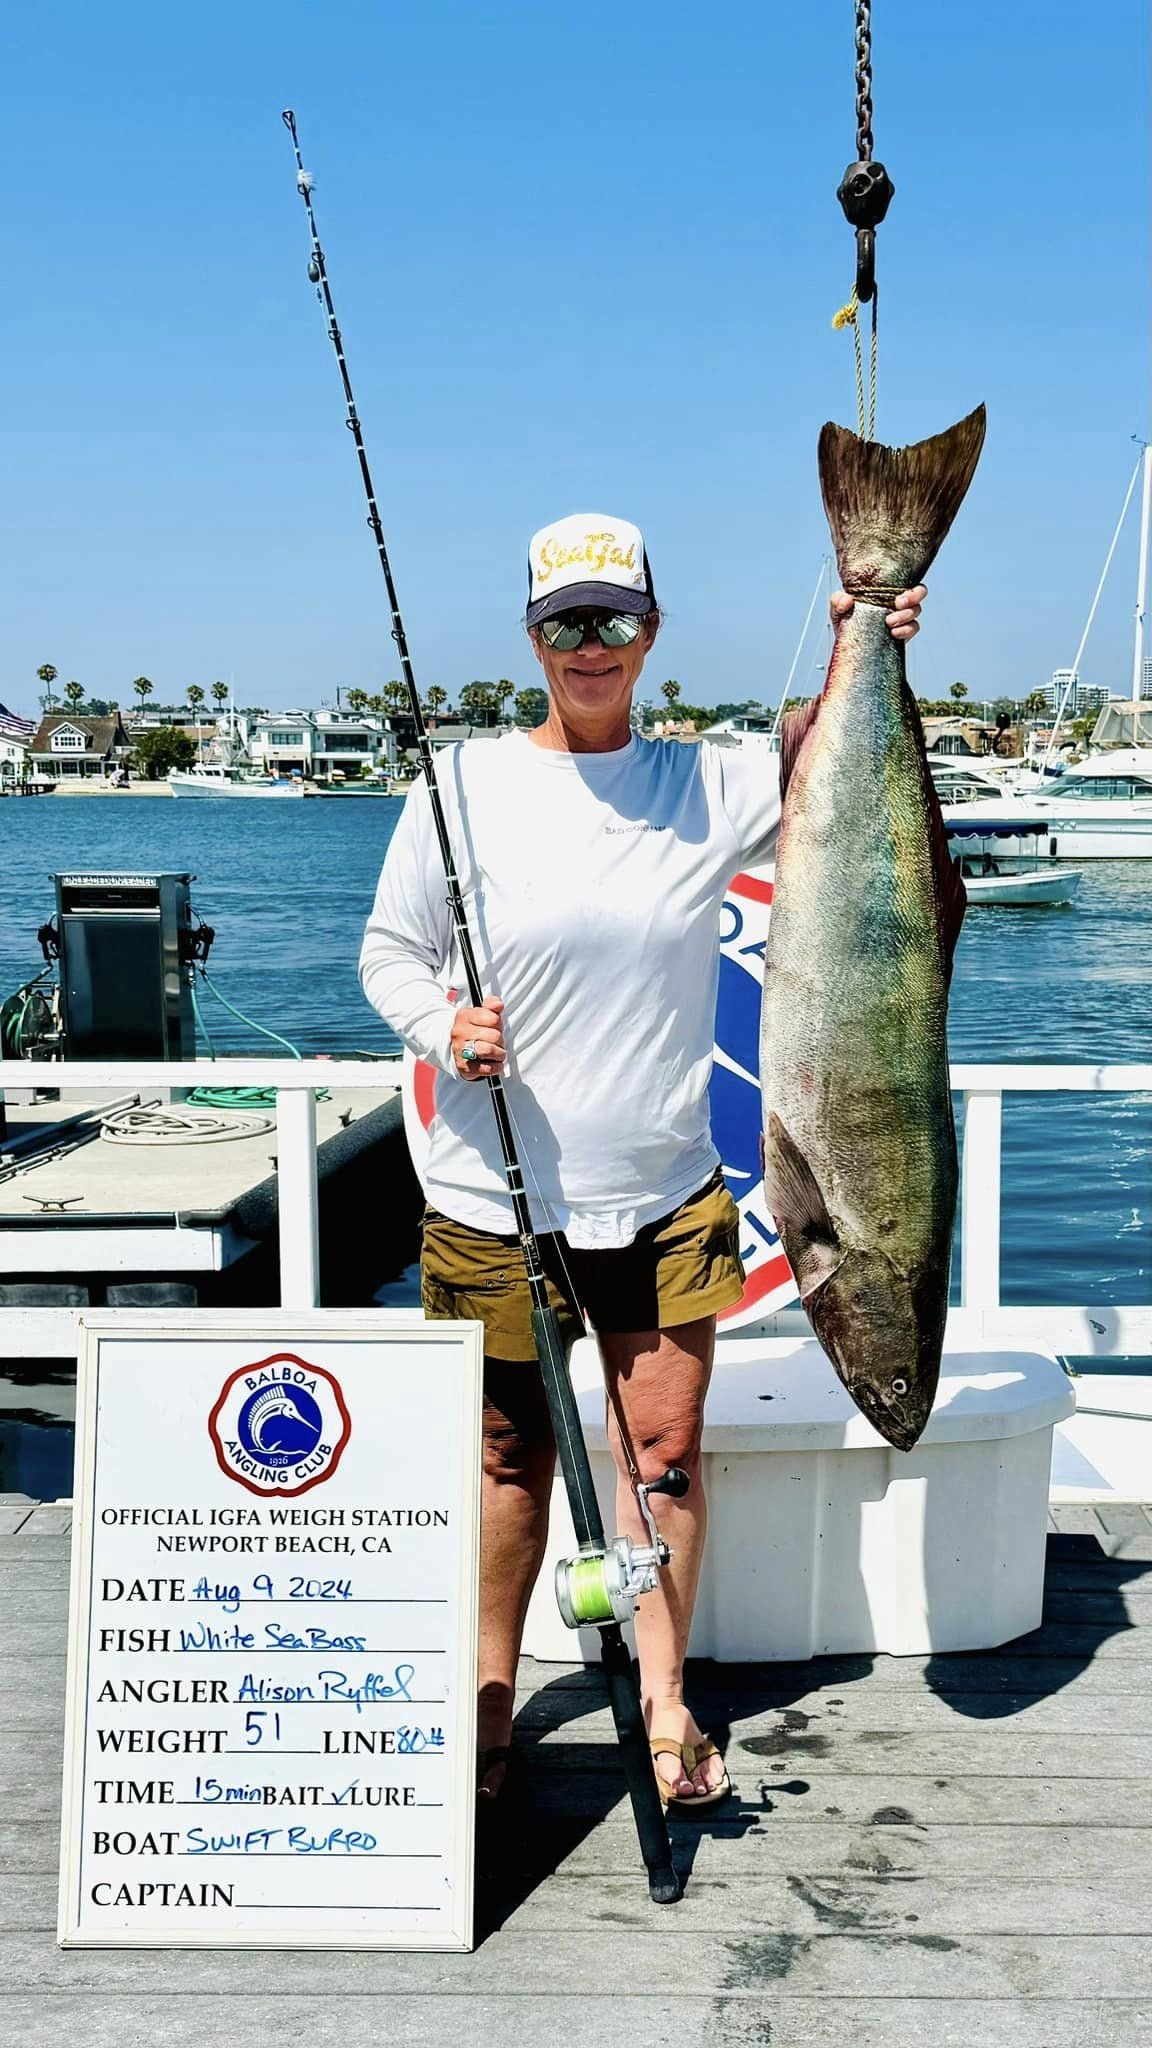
[(657, 1380), (516, 1487)]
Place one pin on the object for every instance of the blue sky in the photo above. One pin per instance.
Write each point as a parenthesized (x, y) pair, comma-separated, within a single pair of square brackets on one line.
[(583, 259)]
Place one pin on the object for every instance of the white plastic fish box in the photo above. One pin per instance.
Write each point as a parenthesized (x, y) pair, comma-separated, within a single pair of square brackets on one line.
[(823, 1539)]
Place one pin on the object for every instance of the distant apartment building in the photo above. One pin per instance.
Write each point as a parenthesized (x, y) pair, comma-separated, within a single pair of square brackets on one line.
[(1092, 697), (1063, 679), (1146, 676)]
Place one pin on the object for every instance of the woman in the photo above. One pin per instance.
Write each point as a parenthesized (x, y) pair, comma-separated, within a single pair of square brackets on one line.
[(593, 864)]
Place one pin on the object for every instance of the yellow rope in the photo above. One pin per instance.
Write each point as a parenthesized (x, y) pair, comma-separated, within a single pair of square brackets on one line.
[(849, 316)]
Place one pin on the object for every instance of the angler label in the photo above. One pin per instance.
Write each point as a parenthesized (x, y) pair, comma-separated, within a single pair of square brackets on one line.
[(272, 1655)]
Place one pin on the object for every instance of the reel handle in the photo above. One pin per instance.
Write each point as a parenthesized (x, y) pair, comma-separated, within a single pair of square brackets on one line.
[(674, 1483)]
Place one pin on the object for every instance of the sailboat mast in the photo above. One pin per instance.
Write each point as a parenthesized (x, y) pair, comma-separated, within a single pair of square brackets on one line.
[(1142, 578)]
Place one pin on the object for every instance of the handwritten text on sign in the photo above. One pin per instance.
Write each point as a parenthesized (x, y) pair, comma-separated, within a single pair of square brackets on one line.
[(271, 1690)]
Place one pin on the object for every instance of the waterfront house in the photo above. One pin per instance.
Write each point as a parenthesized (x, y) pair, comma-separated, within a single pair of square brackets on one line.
[(16, 736), (450, 733), (319, 744), (72, 743), (13, 759), (964, 735)]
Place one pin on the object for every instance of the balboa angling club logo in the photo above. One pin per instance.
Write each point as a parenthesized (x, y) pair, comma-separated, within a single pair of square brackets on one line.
[(733, 1095), (280, 1427)]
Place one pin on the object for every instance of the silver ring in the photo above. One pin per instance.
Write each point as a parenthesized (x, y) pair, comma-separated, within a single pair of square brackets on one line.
[(469, 1054)]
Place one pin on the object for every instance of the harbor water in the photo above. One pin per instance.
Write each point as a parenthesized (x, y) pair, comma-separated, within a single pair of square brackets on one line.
[(288, 886)]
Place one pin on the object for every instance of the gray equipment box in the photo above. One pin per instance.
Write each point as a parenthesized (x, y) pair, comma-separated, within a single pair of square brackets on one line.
[(125, 988)]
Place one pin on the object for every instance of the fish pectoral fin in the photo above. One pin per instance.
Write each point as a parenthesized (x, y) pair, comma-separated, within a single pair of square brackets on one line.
[(951, 895), (794, 1197), (795, 727)]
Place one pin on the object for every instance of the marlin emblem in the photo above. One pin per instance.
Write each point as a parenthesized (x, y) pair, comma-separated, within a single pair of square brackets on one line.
[(272, 1402)]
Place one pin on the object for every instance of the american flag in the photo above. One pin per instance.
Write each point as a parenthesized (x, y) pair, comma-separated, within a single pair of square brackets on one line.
[(14, 728)]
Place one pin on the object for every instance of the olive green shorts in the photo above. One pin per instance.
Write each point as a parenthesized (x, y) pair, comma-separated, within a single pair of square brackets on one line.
[(684, 1265)]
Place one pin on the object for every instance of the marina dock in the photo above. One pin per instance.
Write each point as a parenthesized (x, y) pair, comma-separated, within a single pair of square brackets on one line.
[(951, 1849)]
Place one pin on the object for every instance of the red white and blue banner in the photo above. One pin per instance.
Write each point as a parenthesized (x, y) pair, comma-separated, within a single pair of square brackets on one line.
[(734, 1097)]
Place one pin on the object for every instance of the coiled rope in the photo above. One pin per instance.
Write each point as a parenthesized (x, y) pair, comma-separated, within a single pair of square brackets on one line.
[(181, 1123), (210, 1116)]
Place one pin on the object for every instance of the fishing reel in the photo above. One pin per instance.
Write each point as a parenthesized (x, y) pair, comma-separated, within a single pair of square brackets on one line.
[(603, 1586)]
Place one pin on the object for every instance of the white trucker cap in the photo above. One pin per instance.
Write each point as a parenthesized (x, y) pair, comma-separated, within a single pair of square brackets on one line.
[(589, 560)]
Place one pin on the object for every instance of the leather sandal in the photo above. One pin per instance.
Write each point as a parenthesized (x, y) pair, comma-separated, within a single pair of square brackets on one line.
[(487, 1760), (690, 1756)]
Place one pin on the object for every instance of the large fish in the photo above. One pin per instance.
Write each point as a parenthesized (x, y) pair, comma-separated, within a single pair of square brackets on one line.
[(859, 1143)]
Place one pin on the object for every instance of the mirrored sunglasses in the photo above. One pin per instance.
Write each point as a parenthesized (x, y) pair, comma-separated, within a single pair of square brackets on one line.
[(568, 630)]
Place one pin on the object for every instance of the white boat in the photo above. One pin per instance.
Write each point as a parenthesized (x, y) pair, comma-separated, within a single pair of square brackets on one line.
[(1037, 887), (1100, 809), (213, 779), (978, 853), (746, 730)]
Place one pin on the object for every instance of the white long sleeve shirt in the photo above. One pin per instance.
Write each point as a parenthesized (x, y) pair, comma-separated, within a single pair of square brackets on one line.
[(593, 885)]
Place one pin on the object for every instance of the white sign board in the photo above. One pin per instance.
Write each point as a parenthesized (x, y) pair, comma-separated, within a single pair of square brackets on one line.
[(272, 1658)]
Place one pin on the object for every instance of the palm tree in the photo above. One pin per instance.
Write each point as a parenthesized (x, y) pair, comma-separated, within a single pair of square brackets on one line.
[(47, 675), (357, 701), (435, 698), (500, 692), (395, 696), (958, 692), (1035, 703), (195, 699), (219, 695), (476, 702), (670, 691), (143, 688), (532, 706), (75, 694), (377, 705)]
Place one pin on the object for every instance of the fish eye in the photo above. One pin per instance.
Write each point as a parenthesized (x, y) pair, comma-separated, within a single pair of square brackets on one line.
[(899, 1386)]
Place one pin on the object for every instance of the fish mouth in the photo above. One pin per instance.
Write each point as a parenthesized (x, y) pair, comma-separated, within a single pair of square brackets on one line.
[(896, 1425), (873, 1325)]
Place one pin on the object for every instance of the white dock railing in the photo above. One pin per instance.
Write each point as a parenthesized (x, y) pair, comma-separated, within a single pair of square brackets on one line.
[(295, 1082)]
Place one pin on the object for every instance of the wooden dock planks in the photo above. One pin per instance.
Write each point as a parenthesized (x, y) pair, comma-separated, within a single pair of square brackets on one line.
[(948, 1849)]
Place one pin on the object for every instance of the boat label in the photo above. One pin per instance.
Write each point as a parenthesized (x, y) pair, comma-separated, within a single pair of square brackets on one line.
[(272, 1644)]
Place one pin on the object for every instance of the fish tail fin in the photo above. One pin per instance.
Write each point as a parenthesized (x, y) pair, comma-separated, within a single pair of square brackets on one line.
[(890, 508)]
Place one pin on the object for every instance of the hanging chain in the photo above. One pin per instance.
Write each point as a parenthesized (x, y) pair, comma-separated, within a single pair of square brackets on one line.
[(864, 81), (864, 194)]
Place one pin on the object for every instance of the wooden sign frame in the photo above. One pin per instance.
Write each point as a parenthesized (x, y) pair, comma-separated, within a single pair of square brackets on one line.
[(207, 1393)]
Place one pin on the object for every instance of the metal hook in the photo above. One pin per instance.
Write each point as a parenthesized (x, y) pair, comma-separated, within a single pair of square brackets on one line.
[(865, 264)]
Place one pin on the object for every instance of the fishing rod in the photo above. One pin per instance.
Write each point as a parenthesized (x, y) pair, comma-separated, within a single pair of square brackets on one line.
[(601, 1586)]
